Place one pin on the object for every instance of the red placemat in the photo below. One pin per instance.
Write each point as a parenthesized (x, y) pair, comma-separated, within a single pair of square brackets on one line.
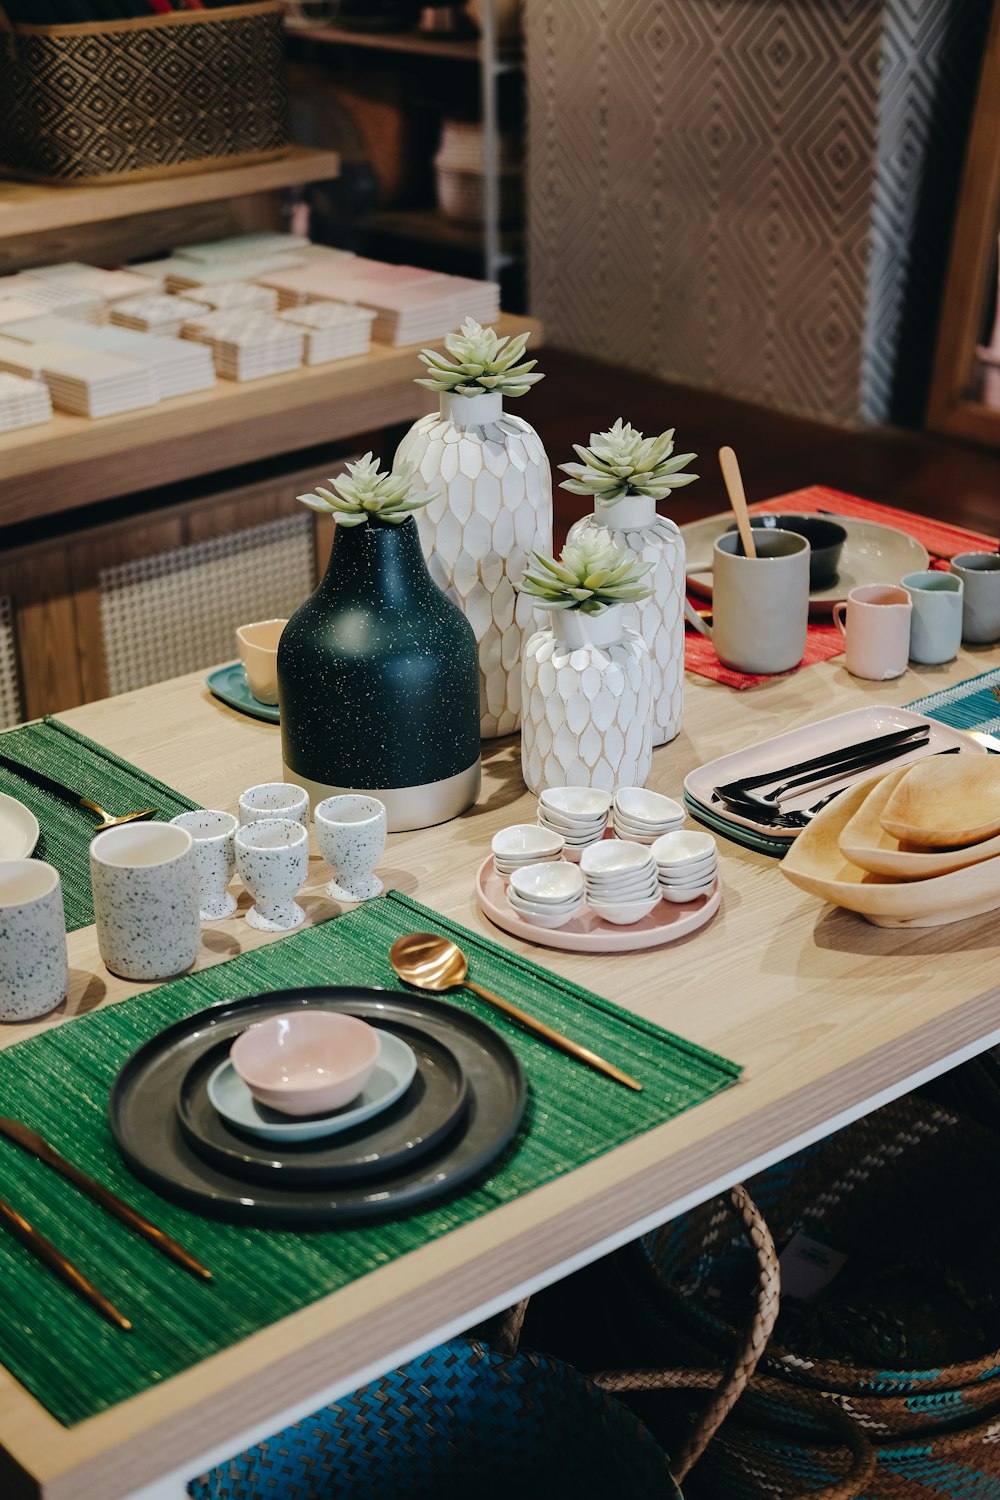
[(823, 639)]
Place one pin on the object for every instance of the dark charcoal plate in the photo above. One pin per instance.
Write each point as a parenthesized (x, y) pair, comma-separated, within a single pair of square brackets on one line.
[(403, 1133), (146, 1126)]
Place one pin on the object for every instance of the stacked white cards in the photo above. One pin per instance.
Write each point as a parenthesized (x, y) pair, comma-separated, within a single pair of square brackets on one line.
[(85, 382), (230, 294), (181, 274), (23, 403), (157, 314), (245, 247), (52, 296), (109, 286), (246, 346), (13, 309), (178, 368), (333, 330)]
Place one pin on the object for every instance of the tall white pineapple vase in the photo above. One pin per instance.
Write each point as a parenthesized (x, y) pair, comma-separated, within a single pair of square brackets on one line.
[(586, 697), (493, 507), (634, 524)]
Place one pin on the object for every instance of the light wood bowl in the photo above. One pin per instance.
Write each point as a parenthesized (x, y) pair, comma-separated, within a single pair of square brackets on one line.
[(815, 864), (865, 842), (946, 800)]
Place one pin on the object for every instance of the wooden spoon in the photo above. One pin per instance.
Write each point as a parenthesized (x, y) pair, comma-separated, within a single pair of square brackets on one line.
[(946, 801), (737, 498)]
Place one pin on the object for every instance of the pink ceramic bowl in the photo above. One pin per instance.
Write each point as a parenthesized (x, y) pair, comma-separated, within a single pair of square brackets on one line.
[(307, 1062)]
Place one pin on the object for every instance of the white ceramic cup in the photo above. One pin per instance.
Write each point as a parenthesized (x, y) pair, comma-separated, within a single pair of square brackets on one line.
[(980, 575), (936, 626), (146, 893), (272, 856), (33, 964), (258, 648), (760, 606), (877, 630), (274, 799), (351, 832), (215, 857)]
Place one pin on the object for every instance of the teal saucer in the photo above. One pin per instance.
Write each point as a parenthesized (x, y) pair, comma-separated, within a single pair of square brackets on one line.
[(230, 684)]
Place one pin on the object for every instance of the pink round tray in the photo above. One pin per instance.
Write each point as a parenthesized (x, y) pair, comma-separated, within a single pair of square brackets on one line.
[(588, 933)]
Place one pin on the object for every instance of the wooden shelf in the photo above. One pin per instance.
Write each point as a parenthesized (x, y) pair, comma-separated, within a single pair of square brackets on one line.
[(414, 43), (72, 461), (432, 228), (37, 208)]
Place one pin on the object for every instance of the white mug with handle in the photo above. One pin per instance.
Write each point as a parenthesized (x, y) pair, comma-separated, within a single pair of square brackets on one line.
[(877, 630)]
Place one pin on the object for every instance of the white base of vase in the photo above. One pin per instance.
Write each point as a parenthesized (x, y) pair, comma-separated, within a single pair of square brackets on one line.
[(407, 807)]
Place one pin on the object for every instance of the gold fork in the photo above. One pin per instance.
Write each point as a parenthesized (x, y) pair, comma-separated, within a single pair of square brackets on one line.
[(39, 778)]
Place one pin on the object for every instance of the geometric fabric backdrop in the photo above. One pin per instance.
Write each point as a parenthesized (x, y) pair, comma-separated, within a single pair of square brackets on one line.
[(750, 195)]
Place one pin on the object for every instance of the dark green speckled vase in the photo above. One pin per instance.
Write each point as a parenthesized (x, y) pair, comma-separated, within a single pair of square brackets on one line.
[(378, 682)]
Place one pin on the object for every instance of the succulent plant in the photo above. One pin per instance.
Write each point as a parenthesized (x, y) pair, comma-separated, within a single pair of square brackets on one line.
[(591, 574), (480, 361), (622, 462), (364, 494)]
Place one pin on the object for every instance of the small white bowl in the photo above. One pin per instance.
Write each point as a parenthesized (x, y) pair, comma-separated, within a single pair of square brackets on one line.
[(552, 882), (542, 908), (682, 894), (525, 842), (576, 801), (615, 857), (682, 845), (552, 918), (640, 805), (637, 876), (578, 826), (624, 913), (687, 869), (666, 826)]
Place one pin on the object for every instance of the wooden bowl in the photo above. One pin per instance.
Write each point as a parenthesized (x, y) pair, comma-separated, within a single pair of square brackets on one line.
[(944, 801), (866, 843)]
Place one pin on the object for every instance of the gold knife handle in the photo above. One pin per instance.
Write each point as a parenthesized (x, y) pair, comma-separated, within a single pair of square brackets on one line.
[(574, 1049), (46, 1252), (130, 1216)]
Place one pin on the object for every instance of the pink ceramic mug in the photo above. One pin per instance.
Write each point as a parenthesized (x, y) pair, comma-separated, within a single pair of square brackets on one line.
[(877, 630)]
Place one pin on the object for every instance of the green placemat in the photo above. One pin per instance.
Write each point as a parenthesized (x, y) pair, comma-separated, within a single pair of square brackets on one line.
[(968, 705), (74, 761), (75, 1364)]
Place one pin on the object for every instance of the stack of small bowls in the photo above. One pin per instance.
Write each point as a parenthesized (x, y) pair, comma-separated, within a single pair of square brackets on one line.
[(621, 881), (578, 813), (643, 816), (547, 894), (686, 864), (524, 844)]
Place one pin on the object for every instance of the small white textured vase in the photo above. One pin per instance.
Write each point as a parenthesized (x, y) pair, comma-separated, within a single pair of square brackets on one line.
[(493, 509), (635, 525), (586, 703)]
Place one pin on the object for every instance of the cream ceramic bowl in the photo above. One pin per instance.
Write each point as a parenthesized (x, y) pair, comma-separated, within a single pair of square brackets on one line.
[(307, 1062), (615, 858), (683, 846), (550, 916), (548, 884), (576, 802), (525, 842), (639, 805), (624, 913)]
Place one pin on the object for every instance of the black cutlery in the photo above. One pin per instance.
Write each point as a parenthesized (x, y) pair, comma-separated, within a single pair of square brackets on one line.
[(67, 794), (884, 747), (771, 813)]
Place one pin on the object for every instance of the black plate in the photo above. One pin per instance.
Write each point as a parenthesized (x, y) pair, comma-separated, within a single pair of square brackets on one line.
[(403, 1133), (144, 1121)]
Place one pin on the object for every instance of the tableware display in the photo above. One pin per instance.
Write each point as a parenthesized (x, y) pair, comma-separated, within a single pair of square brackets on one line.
[(936, 623), (257, 645), (274, 799), (272, 857), (306, 1064), (230, 1098), (945, 802), (230, 685), (34, 968), (351, 833), (826, 539), (877, 630), (872, 553), (146, 1126), (642, 815), (587, 931), (215, 856), (865, 842), (146, 899), (760, 605), (980, 575), (19, 830), (525, 844)]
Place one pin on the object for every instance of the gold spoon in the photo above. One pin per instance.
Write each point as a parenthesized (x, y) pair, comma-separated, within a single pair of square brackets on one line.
[(433, 963)]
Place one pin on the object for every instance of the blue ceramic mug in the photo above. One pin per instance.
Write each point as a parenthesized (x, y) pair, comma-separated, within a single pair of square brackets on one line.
[(936, 623)]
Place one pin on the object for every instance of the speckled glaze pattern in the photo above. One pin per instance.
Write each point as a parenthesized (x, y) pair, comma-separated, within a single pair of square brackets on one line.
[(351, 834), (274, 799), (272, 856), (587, 712), (378, 678), (215, 858), (493, 509), (33, 961), (660, 618), (146, 899)]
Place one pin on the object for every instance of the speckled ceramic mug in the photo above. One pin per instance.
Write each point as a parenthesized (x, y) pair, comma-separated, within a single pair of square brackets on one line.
[(274, 799), (351, 832), (272, 856), (215, 857), (33, 963), (146, 895)]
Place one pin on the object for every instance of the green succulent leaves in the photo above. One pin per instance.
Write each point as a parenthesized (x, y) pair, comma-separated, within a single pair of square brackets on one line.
[(480, 361), (364, 493), (591, 574), (622, 462)]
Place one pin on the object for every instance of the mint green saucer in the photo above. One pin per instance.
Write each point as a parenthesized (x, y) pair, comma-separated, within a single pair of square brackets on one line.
[(230, 684)]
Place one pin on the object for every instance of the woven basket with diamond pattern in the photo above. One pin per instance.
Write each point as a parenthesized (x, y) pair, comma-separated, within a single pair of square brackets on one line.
[(143, 98)]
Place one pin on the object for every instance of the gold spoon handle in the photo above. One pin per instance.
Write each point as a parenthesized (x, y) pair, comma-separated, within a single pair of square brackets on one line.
[(45, 1251), (574, 1049)]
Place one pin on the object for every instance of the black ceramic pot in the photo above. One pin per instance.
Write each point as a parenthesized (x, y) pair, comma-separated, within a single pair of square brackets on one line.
[(378, 682)]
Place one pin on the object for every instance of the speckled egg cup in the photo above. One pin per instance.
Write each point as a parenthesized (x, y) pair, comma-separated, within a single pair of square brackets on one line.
[(215, 857), (274, 799), (33, 963), (272, 856), (146, 899), (351, 832)]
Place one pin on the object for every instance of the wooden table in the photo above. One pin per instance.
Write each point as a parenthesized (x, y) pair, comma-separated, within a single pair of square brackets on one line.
[(830, 1017)]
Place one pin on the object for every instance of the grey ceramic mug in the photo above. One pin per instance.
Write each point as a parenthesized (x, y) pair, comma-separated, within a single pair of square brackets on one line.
[(936, 624), (760, 606), (980, 575)]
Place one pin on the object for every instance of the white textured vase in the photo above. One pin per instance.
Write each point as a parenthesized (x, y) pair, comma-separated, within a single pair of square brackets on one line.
[(586, 697), (635, 525), (493, 509)]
